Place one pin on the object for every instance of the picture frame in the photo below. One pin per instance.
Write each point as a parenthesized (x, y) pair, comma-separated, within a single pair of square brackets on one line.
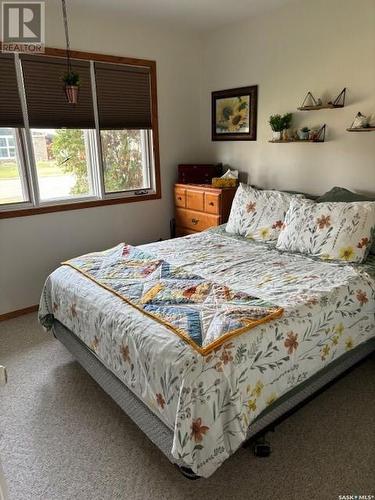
[(234, 114)]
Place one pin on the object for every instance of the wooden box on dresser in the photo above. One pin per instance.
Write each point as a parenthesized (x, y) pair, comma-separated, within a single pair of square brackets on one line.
[(200, 206)]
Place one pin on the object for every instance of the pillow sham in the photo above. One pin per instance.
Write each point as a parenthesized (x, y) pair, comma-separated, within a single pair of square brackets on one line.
[(332, 231), (258, 214), (342, 194)]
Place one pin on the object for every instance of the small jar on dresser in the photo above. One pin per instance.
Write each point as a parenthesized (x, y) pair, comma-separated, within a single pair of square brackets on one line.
[(200, 206)]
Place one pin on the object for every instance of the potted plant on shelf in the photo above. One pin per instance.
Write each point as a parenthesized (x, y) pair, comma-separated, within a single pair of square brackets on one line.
[(303, 133), (278, 124), (71, 86), (287, 120)]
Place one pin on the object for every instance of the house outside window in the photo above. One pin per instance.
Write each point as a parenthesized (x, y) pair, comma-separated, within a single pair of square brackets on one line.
[(7, 144)]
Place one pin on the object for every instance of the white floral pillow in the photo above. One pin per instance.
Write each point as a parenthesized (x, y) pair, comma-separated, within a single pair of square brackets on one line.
[(332, 231), (258, 215)]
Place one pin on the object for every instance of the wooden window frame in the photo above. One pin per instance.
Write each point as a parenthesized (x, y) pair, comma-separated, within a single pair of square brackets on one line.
[(79, 205)]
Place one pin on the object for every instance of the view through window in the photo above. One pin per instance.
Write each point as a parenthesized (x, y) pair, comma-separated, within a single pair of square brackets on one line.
[(61, 163), (124, 160), (12, 188)]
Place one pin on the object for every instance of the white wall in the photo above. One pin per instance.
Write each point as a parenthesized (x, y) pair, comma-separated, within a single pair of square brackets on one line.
[(319, 45), (31, 247)]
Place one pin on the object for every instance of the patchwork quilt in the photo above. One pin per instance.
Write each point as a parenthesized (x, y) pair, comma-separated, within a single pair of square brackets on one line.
[(208, 401), (204, 313)]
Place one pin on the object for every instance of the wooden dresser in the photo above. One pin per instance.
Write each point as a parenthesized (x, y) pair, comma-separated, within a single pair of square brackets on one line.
[(200, 206)]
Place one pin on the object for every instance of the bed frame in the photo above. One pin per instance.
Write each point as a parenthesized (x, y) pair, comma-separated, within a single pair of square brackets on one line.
[(162, 435)]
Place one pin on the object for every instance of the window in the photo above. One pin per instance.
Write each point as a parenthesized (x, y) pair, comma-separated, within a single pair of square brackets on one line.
[(125, 161), (61, 163), (124, 119), (55, 155), (12, 187)]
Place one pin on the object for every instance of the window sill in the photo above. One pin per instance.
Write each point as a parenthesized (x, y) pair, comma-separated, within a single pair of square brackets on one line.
[(24, 212)]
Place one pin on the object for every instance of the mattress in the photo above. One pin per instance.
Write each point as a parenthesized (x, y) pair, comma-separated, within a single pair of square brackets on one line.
[(208, 402)]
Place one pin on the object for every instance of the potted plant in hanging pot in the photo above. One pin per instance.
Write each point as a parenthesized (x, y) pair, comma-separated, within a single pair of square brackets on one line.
[(278, 124), (71, 86)]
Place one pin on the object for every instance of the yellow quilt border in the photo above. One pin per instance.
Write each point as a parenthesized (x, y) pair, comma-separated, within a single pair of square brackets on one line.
[(204, 351)]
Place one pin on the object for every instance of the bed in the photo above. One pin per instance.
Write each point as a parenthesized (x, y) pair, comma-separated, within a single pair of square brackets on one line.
[(200, 408)]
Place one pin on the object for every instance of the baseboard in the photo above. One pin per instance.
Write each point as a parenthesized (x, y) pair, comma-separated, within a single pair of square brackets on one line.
[(19, 312)]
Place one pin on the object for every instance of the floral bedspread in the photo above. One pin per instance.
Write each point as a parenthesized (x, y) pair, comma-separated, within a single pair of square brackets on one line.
[(209, 401)]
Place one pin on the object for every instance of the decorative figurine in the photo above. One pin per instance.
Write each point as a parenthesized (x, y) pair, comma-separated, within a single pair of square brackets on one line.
[(285, 135), (303, 134), (360, 121)]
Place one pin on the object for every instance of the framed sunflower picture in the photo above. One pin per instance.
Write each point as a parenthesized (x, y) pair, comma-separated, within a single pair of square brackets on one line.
[(234, 114)]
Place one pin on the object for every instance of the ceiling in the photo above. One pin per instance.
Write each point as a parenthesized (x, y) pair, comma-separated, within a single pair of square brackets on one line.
[(199, 15)]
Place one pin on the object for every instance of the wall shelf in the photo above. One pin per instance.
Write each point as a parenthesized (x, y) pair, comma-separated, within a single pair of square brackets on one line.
[(320, 137), (300, 141), (364, 129), (323, 106), (339, 102)]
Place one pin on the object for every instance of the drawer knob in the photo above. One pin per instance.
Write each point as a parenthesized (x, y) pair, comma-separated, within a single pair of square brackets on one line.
[(211, 203), (195, 221), (179, 198)]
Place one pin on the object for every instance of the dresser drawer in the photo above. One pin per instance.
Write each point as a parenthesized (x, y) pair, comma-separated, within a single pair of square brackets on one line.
[(212, 203), (183, 231), (196, 221), (195, 200), (180, 197)]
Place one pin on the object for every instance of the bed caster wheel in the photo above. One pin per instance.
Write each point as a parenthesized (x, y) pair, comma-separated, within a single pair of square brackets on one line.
[(262, 448), (188, 473)]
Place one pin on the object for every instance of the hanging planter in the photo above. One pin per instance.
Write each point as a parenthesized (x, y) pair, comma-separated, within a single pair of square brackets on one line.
[(70, 79), (71, 93), (71, 87)]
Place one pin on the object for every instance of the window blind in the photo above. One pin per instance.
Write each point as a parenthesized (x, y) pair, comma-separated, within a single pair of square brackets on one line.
[(10, 103), (123, 96), (47, 106)]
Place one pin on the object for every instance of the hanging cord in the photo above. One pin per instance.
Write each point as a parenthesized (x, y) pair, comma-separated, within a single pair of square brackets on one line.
[(65, 17)]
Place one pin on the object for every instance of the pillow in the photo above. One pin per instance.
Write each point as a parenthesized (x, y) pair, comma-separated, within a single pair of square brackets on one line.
[(258, 214), (298, 193), (342, 194), (333, 231)]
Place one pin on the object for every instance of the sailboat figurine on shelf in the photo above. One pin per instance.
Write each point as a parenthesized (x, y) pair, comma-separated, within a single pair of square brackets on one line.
[(362, 123), (309, 101)]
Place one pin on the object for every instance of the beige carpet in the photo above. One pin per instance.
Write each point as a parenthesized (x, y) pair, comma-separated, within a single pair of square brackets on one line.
[(62, 437)]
